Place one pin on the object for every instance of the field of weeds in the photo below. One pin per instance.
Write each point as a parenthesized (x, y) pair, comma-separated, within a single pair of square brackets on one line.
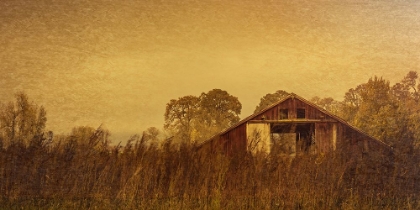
[(70, 175)]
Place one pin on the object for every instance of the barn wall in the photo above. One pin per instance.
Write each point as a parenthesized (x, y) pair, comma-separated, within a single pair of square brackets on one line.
[(324, 135), (357, 145), (340, 136), (235, 140), (330, 134), (292, 105)]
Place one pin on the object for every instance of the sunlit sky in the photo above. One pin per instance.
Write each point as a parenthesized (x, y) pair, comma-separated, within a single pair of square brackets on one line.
[(120, 62)]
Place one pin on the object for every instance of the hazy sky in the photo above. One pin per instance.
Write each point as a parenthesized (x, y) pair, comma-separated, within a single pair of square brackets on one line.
[(120, 62)]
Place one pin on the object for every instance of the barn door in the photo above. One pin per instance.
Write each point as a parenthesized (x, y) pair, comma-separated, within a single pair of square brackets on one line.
[(326, 136), (258, 137)]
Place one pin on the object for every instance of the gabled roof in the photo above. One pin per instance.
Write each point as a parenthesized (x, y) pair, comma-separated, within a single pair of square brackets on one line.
[(292, 96)]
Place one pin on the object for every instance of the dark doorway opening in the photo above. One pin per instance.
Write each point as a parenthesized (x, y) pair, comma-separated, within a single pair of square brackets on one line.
[(292, 138)]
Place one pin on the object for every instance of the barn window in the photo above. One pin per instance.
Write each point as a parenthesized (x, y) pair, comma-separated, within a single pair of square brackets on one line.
[(300, 113), (283, 114)]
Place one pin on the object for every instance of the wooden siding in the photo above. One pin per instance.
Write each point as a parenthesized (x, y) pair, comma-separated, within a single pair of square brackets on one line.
[(324, 134), (237, 137), (235, 140), (292, 104), (331, 133)]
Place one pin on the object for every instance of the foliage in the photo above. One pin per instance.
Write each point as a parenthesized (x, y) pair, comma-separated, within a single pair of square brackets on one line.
[(218, 110), (387, 113), (152, 136), (328, 103), (270, 99), (195, 119), (21, 120), (180, 116), (366, 100)]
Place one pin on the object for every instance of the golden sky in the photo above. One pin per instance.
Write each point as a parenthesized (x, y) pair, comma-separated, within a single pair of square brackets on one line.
[(120, 62)]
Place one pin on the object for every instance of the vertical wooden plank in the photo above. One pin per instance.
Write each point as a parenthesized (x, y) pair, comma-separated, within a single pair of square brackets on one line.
[(365, 146), (334, 136), (324, 135)]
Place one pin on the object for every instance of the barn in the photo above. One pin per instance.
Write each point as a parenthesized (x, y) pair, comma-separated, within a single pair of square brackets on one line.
[(294, 126)]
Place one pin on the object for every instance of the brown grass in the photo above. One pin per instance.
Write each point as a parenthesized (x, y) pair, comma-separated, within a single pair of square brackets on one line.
[(70, 175)]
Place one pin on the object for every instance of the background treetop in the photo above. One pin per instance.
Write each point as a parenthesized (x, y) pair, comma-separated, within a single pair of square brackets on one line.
[(194, 119), (270, 99)]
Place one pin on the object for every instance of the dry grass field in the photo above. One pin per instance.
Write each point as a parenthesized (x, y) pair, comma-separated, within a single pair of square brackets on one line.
[(70, 175)]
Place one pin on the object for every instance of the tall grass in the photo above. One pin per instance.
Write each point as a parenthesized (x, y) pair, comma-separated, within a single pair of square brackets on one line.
[(69, 175)]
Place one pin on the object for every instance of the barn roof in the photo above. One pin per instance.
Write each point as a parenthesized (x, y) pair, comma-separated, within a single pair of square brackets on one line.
[(291, 96)]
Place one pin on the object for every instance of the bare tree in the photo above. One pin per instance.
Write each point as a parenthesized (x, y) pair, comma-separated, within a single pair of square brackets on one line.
[(21, 120)]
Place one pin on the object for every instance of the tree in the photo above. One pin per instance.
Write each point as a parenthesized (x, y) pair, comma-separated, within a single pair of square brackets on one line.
[(270, 99), (401, 92), (218, 110), (366, 100), (328, 104), (406, 90), (151, 135), (193, 119), (373, 108), (8, 122), (350, 105), (21, 120), (180, 116), (409, 81), (407, 97)]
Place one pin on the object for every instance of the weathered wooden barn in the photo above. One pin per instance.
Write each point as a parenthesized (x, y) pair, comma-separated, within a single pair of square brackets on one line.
[(294, 125)]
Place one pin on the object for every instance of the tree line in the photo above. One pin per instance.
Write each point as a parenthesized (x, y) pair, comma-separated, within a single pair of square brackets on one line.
[(388, 112)]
